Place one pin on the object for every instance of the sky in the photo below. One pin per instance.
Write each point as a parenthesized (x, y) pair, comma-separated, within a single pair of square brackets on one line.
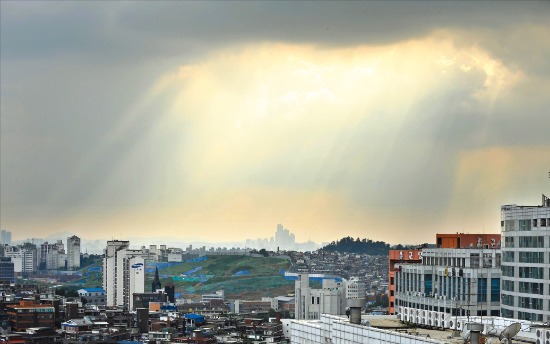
[(216, 121)]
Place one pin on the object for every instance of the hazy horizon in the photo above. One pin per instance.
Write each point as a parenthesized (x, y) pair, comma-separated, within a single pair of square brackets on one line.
[(385, 120)]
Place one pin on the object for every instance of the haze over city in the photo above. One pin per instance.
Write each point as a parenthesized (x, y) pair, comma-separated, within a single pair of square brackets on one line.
[(215, 121)]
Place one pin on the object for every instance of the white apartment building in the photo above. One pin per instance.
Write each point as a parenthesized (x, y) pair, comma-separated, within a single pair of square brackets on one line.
[(451, 282), (218, 295), (526, 261), (123, 273), (73, 252), (331, 298), (355, 289), (24, 259)]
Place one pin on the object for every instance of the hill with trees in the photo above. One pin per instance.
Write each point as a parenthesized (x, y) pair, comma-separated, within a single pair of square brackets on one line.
[(364, 246)]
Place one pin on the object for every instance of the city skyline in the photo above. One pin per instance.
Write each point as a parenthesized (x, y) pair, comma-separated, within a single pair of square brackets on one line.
[(220, 120)]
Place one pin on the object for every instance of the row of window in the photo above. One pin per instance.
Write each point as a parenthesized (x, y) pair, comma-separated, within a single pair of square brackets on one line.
[(524, 257), (531, 272), (531, 287), (525, 242), (524, 272), (524, 225)]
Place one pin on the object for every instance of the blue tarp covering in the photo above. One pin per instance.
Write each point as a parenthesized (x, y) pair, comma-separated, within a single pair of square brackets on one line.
[(192, 271), (242, 273), (95, 268), (150, 266), (196, 260)]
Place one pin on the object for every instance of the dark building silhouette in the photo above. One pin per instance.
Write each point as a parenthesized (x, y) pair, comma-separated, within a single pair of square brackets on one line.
[(170, 291)]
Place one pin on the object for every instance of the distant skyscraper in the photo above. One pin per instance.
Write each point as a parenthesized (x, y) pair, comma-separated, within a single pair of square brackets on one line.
[(123, 273), (5, 237), (526, 261), (284, 240), (73, 252)]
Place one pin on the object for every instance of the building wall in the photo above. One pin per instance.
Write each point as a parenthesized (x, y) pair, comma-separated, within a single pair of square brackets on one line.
[(462, 240), (73, 252), (526, 262), (451, 281), (7, 271), (123, 273), (399, 256), (29, 314), (311, 303)]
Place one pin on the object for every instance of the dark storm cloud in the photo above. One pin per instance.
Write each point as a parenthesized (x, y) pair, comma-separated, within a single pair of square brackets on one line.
[(142, 28)]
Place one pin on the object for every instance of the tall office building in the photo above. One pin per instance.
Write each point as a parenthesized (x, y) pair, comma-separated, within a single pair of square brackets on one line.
[(7, 271), (73, 252), (284, 240), (5, 237), (123, 273), (526, 261)]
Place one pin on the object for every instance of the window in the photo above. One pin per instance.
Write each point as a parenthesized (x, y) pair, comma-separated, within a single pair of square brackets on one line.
[(509, 242), (509, 226), (481, 290), (474, 260), (543, 222), (534, 222), (507, 285), (487, 260), (531, 288), (525, 225), (531, 241), (495, 289), (507, 271), (530, 272), (508, 256), (531, 257), (507, 300)]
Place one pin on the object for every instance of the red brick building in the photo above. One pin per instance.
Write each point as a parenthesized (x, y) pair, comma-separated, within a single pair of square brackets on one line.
[(461, 240), (30, 314)]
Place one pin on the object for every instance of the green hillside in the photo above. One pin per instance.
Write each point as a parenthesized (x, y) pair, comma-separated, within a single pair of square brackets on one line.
[(241, 277)]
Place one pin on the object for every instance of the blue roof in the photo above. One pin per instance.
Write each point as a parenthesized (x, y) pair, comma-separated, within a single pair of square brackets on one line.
[(194, 316), (94, 290)]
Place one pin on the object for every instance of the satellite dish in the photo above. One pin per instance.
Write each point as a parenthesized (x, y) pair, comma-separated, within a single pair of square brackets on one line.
[(509, 332)]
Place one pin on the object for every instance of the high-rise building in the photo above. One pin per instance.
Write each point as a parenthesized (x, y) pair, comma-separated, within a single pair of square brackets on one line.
[(123, 273), (284, 240), (7, 272), (5, 237), (73, 252), (526, 261), (24, 257)]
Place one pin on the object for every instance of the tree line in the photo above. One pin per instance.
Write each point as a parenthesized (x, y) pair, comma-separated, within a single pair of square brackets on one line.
[(360, 246)]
